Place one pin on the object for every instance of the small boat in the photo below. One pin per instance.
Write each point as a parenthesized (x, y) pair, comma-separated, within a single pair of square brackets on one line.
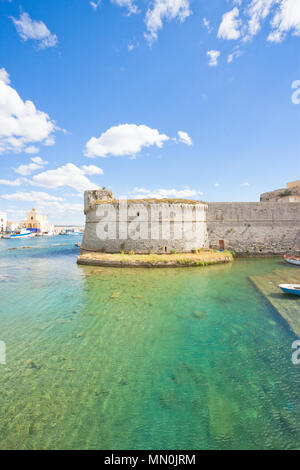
[(290, 288), (72, 232), (20, 234), (292, 260)]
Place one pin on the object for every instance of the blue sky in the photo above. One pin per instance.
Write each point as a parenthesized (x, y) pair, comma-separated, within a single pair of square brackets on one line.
[(183, 98)]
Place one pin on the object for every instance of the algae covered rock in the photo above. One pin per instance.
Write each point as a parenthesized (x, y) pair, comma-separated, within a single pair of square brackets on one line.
[(199, 314)]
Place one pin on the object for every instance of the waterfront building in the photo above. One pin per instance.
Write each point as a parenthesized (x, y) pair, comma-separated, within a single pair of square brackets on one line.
[(293, 184), (3, 221), (37, 222), (289, 194), (12, 226), (143, 225), (174, 225)]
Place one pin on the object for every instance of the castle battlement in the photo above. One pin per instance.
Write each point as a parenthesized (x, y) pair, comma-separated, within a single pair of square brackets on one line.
[(143, 226), (167, 225)]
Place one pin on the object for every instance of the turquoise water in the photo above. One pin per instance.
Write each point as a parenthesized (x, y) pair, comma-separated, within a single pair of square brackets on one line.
[(181, 358)]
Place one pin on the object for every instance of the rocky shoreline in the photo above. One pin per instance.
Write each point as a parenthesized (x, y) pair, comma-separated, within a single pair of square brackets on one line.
[(198, 259)]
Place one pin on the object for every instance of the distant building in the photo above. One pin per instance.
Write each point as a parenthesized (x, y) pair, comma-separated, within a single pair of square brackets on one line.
[(293, 184), (12, 226), (38, 222), (289, 194), (3, 221)]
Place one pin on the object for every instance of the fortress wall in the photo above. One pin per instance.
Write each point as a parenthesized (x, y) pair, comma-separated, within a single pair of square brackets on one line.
[(250, 228), (144, 227)]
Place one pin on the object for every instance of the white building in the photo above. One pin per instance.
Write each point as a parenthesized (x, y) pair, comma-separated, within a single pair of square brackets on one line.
[(12, 226), (37, 221), (3, 221)]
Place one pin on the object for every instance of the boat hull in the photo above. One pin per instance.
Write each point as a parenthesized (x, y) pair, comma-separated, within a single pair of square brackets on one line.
[(21, 235), (292, 260), (290, 289)]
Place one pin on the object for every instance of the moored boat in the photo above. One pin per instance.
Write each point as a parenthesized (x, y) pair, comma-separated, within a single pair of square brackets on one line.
[(293, 289), (292, 260), (19, 234)]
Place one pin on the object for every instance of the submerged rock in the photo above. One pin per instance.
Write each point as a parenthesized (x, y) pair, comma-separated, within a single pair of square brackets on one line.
[(115, 295), (169, 399), (33, 428), (199, 314), (32, 365), (220, 415)]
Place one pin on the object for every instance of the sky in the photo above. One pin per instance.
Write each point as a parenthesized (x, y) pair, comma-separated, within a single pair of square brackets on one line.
[(150, 98)]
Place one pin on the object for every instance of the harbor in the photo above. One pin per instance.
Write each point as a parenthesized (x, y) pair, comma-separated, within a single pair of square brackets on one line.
[(210, 367), (35, 225), (150, 228)]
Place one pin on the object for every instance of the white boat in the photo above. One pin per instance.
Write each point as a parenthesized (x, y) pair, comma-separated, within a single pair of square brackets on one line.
[(293, 289), (72, 232), (19, 234), (292, 260)]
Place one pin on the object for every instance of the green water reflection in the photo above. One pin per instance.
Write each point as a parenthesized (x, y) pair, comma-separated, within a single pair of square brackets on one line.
[(141, 359)]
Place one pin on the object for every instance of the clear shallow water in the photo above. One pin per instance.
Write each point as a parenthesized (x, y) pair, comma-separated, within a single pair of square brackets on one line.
[(141, 359)]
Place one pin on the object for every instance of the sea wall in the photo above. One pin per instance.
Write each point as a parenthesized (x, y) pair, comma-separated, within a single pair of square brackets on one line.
[(143, 226), (255, 228)]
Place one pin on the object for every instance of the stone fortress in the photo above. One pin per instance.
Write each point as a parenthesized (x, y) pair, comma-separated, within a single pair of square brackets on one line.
[(271, 226), (143, 226)]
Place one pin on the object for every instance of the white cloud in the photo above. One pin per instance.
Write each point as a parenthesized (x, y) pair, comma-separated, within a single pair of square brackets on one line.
[(186, 193), (68, 175), (16, 182), (229, 28), (165, 10), (125, 139), (61, 207), (258, 10), (234, 55), (95, 5), (245, 184), (36, 30), (286, 19), (58, 212), (39, 161), (92, 170), (129, 4), (207, 25), (213, 57), (217, 185), (50, 140), (37, 164), (20, 122), (31, 149), (62, 212), (4, 76), (184, 138), (32, 196), (132, 46), (284, 14)]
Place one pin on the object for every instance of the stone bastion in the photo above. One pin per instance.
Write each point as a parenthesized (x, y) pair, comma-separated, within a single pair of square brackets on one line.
[(143, 226), (164, 225)]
